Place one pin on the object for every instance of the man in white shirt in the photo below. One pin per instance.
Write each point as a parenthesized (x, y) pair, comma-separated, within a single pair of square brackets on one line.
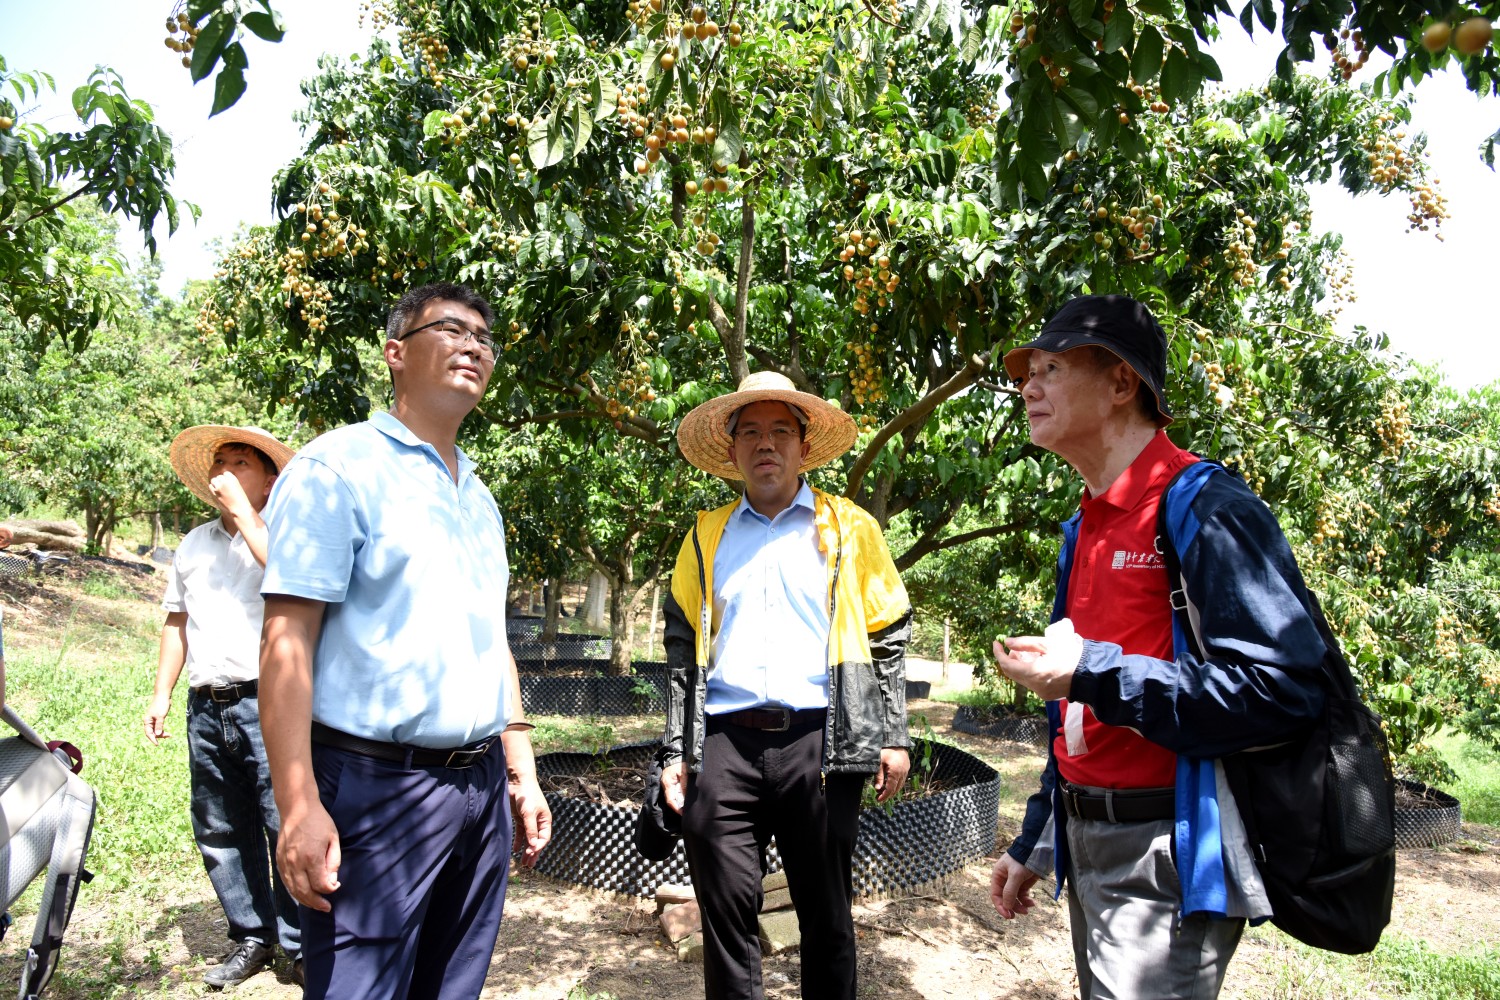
[(214, 612)]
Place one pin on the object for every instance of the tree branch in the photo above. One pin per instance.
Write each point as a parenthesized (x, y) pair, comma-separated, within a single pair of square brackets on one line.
[(791, 370), (734, 347), (913, 555), (914, 414)]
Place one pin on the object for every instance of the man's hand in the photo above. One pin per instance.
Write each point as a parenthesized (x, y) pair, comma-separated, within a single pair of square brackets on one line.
[(156, 718), (1010, 887), (230, 496), (533, 819), (308, 857), (894, 765), (674, 786), (1043, 664)]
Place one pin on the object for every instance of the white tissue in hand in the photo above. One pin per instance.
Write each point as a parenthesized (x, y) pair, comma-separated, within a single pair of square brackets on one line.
[(1064, 646)]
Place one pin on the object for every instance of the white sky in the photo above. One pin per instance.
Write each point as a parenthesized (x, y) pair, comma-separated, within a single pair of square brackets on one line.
[(1434, 299)]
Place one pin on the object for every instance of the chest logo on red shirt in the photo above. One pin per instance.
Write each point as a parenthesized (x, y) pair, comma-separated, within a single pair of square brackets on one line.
[(1136, 560)]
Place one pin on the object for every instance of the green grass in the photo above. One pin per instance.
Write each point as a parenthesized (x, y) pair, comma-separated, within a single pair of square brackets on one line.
[(1478, 769), (1398, 967), (84, 675)]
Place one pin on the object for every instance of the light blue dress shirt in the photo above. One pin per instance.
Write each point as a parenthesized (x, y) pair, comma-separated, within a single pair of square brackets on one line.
[(412, 566), (770, 613)]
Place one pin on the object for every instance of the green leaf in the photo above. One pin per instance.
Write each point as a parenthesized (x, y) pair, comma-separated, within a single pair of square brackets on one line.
[(265, 25), (1081, 11), (1179, 79), (1145, 61), (212, 41), (433, 124), (583, 127), (546, 144), (229, 85), (973, 41), (557, 26), (606, 98), (1120, 30)]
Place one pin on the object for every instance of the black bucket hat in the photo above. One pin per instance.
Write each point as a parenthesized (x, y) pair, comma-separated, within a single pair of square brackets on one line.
[(1117, 323)]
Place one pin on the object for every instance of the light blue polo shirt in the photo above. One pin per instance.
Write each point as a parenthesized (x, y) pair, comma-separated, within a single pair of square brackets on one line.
[(412, 567), (770, 613)]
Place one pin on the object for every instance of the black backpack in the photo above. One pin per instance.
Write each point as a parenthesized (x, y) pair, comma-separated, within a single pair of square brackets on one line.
[(1319, 810)]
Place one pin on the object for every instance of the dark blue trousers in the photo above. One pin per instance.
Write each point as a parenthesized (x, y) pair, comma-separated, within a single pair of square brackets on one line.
[(425, 859)]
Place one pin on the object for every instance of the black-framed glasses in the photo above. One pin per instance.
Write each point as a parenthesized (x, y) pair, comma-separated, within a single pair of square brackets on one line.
[(457, 335), (752, 435)]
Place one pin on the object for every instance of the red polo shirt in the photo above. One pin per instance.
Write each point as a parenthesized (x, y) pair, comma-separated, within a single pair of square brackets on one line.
[(1118, 593)]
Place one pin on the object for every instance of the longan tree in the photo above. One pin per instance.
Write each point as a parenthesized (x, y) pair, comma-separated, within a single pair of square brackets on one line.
[(655, 207)]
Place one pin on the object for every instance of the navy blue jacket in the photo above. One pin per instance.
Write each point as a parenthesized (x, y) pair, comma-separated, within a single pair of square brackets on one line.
[(1262, 679)]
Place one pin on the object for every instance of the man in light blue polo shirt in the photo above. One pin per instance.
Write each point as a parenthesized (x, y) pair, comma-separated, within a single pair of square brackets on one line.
[(389, 698)]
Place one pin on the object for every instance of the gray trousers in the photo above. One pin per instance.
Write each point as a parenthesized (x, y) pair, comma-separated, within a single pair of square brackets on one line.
[(1123, 898)]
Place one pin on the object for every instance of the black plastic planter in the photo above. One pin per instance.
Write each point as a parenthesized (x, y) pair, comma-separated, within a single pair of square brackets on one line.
[(914, 843), (1028, 729), (545, 693), (1431, 826)]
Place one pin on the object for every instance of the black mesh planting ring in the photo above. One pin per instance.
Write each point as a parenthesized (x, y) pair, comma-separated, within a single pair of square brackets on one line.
[(1431, 827), (544, 693), (1028, 729), (913, 843)]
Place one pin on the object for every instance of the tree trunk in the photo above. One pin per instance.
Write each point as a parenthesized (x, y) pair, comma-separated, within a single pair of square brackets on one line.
[(620, 620), (594, 611), (552, 610), (651, 635), (155, 530)]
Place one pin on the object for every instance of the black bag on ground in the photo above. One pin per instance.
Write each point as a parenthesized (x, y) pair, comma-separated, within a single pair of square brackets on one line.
[(1319, 810)]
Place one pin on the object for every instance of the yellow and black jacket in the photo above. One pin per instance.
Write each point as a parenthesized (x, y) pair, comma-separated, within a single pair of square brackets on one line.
[(869, 625)]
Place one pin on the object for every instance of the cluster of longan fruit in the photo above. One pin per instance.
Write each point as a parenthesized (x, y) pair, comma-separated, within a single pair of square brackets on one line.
[(1394, 426), (529, 46), (1137, 221), (979, 115), (874, 276), (658, 134), (517, 330), (237, 270), (325, 232), (1340, 46), (1240, 255), (1470, 39), (421, 30), (632, 389), (182, 35), (866, 382)]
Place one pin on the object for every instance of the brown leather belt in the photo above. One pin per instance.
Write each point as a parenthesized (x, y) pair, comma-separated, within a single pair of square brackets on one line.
[(224, 693), (1120, 806), (775, 719), (464, 756)]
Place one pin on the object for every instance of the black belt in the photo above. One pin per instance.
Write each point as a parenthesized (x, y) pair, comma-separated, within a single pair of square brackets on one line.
[(1116, 806), (464, 756), (773, 719), (224, 693)]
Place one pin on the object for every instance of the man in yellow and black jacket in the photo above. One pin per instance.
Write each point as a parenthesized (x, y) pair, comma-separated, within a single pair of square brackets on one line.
[(786, 633)]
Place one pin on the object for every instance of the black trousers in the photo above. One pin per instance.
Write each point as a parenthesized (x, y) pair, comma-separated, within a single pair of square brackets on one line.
[(754, 785)]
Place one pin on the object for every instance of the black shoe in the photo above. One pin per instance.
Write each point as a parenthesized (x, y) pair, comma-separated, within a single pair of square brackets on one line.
[(299, 975), (248, 958)]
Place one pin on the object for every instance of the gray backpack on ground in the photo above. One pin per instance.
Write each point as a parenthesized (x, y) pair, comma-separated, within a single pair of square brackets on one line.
[(48, 816)]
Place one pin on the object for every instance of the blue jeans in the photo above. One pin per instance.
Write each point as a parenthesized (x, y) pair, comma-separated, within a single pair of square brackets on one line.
[(235, 821)]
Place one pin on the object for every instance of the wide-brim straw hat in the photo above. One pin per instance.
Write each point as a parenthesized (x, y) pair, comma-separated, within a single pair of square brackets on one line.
[(192, 453), (704, 437)]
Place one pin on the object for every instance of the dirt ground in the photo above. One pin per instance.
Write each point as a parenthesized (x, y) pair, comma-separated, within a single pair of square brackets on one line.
[(945, 941), (560, 940)]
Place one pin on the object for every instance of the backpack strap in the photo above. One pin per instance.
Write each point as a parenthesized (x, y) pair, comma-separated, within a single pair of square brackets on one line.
[(1177, 528)]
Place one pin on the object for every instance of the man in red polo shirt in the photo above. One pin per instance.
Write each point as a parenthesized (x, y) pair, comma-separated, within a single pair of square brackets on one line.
[(1136, 727)]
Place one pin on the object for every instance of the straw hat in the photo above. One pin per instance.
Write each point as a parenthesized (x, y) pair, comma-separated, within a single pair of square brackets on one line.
[(193, 450), (704, 438)]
